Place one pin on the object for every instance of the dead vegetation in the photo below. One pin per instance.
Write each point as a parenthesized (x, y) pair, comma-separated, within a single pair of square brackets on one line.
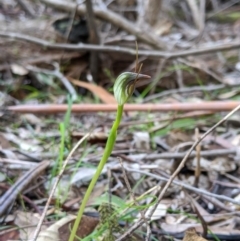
[(174, 172)]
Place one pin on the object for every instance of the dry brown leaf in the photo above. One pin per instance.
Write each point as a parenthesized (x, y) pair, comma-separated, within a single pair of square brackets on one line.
[(163, 27), (18, 70), (52, 232), (87, 226), (76, 68), (219, 164), (27, 223), (104, 95), (176, 137), (4, 143), (12, 234), (191, 235), (179, 227)]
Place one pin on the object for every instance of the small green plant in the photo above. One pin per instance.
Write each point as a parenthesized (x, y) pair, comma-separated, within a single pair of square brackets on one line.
[(64, 146), (123, 89), (108, 217)]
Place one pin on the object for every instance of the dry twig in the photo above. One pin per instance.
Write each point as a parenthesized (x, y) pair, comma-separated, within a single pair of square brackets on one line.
[(150, 53), (78, 108), (186, 186), (187, 90), (198, 157), (9, 197), (111, 17)]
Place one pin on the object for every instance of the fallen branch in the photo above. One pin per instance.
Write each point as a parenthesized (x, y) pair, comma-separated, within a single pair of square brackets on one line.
[(178, 155), (45, 58), (185, 90), (114, 18), (8, 198), (104, 48), (81, 108), (187, 186)]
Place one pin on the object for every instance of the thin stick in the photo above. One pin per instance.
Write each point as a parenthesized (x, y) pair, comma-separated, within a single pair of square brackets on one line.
[(116, 19), (188, 90), (186, 186), (150, 53), (136, 59), (8, 198), (215, 106), (55, 185), (198, 157)]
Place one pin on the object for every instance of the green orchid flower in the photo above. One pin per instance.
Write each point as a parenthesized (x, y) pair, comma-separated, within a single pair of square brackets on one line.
[(125, 84), (123, 89)]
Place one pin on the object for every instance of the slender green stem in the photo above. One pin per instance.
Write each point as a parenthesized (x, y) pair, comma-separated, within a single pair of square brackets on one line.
[(107, 152)]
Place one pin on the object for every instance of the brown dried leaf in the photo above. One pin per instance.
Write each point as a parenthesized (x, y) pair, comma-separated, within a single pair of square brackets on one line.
[(104, 95), (176, 137), (191, 235), (219, 164), (61, 229), (52, 232), (27, 223), (87, 226), (4, 143), (18, 70), (12, 234), (178, 227)]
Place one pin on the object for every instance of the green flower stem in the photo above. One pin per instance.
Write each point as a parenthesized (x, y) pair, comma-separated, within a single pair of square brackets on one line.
[(123, 89), (107, 152)]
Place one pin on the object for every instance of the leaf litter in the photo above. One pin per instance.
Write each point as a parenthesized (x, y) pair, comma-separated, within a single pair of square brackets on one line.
[(150, 145)]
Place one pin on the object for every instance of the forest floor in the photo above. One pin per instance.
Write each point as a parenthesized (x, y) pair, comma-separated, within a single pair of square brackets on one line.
[(176, 158)]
